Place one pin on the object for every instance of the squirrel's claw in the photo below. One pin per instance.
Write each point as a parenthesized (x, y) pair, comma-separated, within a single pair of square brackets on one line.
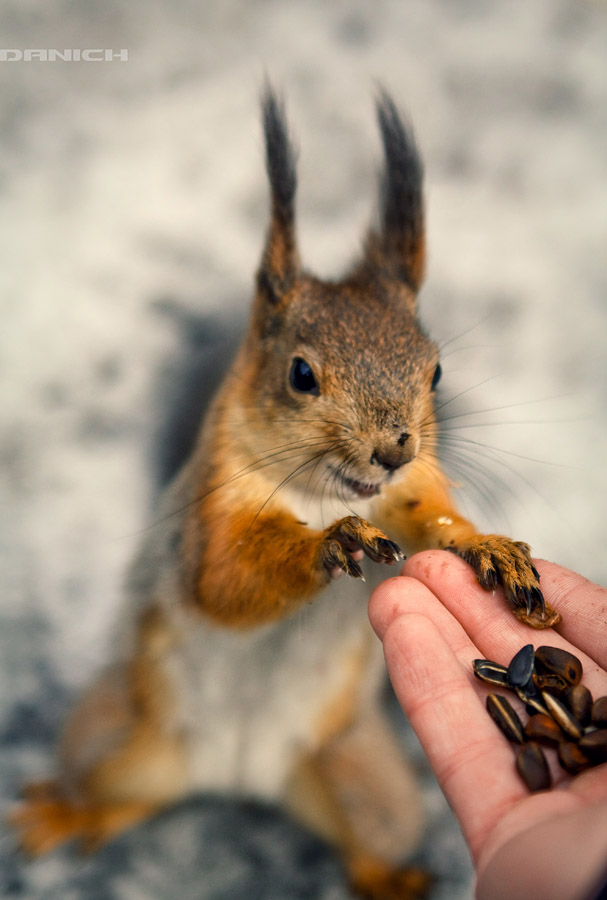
[(383, 550), (347, 540), (338, 560), (500, 561), (543, 617)]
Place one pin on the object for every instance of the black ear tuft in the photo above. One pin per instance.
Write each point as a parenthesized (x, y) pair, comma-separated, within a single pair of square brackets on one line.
[(280, 261), (280, 156), (401, 239)]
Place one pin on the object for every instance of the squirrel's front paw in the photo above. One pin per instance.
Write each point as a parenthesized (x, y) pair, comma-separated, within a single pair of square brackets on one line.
[(497, 560), (348, 540)]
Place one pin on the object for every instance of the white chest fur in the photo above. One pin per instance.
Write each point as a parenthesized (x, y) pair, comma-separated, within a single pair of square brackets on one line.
[(251, 701), (319, 512)]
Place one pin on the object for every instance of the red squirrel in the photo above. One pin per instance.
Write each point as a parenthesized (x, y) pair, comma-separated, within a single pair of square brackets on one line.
[(245, 664)]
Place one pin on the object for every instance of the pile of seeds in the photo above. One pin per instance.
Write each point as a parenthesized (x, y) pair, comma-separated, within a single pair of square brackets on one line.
[(562, 712)]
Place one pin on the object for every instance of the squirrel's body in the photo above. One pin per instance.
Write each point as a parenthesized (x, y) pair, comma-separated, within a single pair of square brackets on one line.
[(253, 699), (243, 663)]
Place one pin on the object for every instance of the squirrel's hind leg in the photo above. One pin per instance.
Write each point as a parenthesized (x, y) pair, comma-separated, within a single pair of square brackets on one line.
[(45, 824), (358, 792), (143, 773), (120, 759)]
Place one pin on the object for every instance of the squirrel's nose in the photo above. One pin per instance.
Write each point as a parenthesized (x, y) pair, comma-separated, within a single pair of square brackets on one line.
[(392, 458)]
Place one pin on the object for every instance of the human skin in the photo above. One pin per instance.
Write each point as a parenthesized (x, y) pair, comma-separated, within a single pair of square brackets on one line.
[(433, 621)]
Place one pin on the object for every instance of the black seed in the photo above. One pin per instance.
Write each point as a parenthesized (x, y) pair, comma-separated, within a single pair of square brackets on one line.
[(562, 716), (532, 767), (532, 699), (561, 662), (505, 718), (544, 729), (521, 666), (578, 699), (594, 745), (572, 759), (598, 715), (490, 672)]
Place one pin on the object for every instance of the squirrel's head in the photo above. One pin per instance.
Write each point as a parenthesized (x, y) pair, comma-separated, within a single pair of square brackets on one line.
[(337, 377)]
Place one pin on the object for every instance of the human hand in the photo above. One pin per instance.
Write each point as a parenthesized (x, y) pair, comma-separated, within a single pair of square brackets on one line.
[(433, 622)]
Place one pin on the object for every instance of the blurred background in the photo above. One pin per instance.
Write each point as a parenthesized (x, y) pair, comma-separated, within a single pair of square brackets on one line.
[(133, 207)]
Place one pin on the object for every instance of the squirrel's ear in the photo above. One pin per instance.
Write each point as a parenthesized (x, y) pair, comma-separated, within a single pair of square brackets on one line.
[(398, 246), (280, 261)]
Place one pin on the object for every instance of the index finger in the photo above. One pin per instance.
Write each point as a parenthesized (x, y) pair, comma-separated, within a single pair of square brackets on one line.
[(487, 619), (583, 606)]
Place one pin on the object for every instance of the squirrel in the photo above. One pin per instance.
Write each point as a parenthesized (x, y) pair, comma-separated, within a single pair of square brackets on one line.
[(244, 663)]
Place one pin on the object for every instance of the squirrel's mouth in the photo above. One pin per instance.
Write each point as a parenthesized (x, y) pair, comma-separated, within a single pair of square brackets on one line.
[(361, 488)]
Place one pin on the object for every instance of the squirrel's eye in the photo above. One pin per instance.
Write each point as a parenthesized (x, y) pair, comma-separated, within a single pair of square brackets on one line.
[(437, 376), (301, 377)]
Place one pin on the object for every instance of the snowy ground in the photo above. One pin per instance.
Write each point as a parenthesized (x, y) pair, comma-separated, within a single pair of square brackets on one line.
[(133, 204)]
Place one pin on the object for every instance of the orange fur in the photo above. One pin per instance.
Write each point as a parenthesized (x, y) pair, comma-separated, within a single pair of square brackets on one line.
[(142, 766), (45, 825), (372, 879), (421, 513), (420, 510), (357, 792), (248, 594)]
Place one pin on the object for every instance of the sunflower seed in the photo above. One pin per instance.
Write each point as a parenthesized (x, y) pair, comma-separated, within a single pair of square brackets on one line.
[(533, 768), (562, 716), (562, 712), (594, 745), (490, 672), (560, 662), (599, 712), (544, 729), (521, 666), (505, 718), (572, 759), (532, 699), (578, 699)]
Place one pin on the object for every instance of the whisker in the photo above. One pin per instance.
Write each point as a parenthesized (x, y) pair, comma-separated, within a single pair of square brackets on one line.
[(443, 344), (467, 390), (290, 477), (313, 420), (481, 489), (339, 480), (257, 465), (490, 409), (508, 422), (544, 462), (478, 449), (345, 444)]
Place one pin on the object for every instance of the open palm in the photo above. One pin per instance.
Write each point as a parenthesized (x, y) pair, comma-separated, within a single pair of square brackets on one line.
[(433, 621)]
